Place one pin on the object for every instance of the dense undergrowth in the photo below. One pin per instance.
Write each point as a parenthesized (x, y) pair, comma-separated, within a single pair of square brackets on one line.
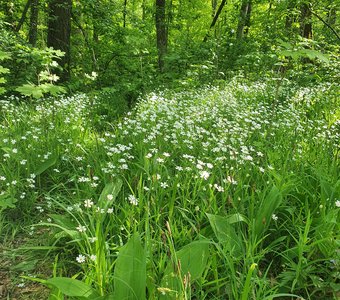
[(217, 193)]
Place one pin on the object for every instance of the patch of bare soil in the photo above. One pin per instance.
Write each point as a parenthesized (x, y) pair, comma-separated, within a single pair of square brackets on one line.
[(13, 266)]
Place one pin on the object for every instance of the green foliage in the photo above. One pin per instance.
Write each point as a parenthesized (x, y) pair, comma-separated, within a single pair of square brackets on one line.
[(27, 64), (191, 189), (39, 91), (111, 104), (112, 189), (72, 287), (7, 201), (130, 271), (3, 56), (226, 234), (266, 208)]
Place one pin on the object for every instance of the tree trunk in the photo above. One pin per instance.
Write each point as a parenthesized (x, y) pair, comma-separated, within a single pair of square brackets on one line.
[(33, 31), (23, 16), (306, 21), (220, 8), (124, 13), (59, 32), (143, 10), (244, 21), (162, 38)]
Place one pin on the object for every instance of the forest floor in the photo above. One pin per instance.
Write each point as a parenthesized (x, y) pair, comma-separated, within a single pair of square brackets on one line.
[(214, 193)]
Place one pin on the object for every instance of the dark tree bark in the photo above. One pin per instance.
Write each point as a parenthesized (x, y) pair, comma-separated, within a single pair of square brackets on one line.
[(23, 16), (33, 31), (244, 21), (124, 13), (143, 10), (306, 21), (162, 35), (220, 8), (59, 32)]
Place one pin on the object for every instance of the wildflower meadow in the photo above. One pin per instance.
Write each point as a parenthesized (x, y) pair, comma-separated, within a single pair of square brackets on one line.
[(229, 192)]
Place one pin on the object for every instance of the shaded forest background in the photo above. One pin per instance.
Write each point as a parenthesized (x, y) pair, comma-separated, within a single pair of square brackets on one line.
[(131, 46)]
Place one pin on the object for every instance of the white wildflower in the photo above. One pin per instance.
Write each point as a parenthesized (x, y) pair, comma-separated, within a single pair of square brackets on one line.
[(81, 228), (133, 200), (88, 203), (80, 258), (164, 185), (204, 174)]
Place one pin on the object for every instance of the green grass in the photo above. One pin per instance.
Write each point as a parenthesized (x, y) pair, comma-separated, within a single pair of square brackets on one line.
[(218, 193)]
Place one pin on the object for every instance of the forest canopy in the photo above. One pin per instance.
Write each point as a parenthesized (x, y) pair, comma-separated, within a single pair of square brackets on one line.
[(135, 44)]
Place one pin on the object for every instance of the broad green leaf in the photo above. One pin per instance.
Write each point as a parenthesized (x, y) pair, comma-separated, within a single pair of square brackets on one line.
[(63, 220), (3, 70), (4, 55), (106, 297), (112, 188), (225, 233), (25, 266), (293, 54), (7, 201), (30, 90), (265, 211), (54, 90), (58, 53), (312, 54), (130, 271), (193, 260), (65, 224), (235, 218), (46, 164), (72, 287)]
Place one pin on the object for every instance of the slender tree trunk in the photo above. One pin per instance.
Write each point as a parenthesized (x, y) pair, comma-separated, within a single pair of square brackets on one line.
[(306, 21), (161, 29), (143, 10), (244, 21), (124, 13), (33, 31), (23, 16), (213, 23), (59, 32)]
